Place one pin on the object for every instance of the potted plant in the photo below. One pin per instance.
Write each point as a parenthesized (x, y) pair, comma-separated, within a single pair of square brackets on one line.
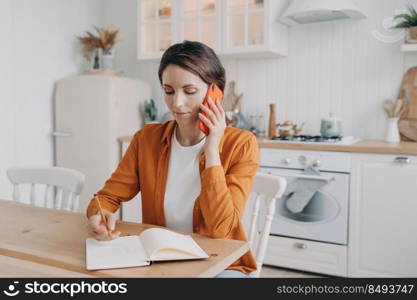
[(105, 41), (408, 21), (151, 112)]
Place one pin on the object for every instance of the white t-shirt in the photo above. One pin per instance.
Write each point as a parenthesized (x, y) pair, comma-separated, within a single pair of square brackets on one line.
[(183, 184)]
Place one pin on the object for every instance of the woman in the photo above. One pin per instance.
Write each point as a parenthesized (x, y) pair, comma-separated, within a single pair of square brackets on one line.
[(188, 181)]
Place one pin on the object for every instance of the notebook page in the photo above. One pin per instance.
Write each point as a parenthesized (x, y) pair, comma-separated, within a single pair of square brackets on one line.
[(122, 252), (157, 240)]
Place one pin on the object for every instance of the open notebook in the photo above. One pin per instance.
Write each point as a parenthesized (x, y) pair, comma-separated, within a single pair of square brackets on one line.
[(154, 244)]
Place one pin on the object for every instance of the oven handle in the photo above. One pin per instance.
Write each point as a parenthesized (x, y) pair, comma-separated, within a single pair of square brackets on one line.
[(303, 176)]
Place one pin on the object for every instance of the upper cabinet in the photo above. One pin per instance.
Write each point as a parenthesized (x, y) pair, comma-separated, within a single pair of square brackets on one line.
[(252, 28), (156, 32), (199, 21), (233, 28)]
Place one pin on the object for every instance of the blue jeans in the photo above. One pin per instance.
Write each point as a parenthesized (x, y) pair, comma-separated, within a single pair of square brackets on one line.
[(232, 274)]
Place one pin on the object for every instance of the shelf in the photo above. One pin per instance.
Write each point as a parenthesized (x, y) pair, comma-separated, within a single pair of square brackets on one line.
[(109, 72), (252, 53), (409, 47)]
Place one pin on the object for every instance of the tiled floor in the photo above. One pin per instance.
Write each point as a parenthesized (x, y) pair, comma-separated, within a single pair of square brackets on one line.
[(275, 272)]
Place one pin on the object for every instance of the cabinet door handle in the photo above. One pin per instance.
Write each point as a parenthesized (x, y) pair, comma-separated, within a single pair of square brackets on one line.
[(61, 134), (402, 159), (300, 246), (318, 177)]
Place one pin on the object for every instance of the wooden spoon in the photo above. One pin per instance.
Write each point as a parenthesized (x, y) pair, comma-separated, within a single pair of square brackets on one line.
[(388, 107), (397, 108)]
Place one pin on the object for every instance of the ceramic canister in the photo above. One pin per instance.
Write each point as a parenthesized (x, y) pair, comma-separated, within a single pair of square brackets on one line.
[(331, 126)]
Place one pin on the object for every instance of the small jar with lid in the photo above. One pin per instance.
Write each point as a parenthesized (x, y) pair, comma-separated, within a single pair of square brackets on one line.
[(331, 127)]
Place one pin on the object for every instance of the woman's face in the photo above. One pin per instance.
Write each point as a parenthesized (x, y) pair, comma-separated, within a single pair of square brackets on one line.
[(183, 93)]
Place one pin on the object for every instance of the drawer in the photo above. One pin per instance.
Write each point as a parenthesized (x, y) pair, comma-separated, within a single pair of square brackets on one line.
[(307, 256)]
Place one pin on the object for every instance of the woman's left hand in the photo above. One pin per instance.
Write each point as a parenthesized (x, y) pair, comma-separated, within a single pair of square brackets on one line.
[(216, 124)]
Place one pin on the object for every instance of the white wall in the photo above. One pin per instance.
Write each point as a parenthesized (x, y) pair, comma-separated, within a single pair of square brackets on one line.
[(125, 18), (334, 66), (38, 47)]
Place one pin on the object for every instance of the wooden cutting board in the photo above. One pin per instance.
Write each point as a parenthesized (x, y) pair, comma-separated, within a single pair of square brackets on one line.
[(408, 129), (408, 92)]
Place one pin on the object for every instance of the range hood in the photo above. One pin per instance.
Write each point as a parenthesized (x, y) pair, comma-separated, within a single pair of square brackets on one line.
[(311, 11)]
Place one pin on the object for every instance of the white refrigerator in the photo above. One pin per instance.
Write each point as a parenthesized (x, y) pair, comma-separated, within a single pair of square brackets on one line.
[(91, 113)]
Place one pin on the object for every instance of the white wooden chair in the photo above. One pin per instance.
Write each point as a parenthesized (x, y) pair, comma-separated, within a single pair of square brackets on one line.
[(267, 188), (63, 186)]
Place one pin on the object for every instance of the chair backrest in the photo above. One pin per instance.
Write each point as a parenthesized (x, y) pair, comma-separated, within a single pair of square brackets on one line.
[(267, 189), (62, 186)]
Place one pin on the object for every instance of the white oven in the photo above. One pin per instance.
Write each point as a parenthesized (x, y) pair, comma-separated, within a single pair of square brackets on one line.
[(325, 217)]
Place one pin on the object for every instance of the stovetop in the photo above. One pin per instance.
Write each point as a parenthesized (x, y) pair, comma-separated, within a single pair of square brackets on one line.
[(316, 139), (310, 138)]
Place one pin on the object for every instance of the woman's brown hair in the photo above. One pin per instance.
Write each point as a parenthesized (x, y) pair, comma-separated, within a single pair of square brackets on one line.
[(197, 58)]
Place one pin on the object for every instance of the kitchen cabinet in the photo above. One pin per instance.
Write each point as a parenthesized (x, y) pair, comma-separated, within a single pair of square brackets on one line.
[(156, 27), (383, 228), (199, 21), (252, 29), (237, 28), (305, 255)]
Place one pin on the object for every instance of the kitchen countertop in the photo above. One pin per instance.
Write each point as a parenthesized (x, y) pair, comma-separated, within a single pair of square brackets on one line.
[(363, 146)]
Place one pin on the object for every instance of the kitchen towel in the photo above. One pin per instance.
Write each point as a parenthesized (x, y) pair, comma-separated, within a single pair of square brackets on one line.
[(301, 190)]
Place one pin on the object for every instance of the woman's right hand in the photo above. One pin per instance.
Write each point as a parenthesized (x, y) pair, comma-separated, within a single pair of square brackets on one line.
[(97, 229)]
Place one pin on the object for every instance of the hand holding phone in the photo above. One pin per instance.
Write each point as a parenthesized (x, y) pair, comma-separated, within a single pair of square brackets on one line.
[(215, 93)]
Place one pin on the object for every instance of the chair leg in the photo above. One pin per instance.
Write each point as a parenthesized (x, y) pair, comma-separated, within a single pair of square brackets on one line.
[(32, 194), (16, 193), (45, 198)]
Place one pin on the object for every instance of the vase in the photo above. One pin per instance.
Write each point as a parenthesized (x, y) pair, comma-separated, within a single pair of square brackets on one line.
[(412, 35), (96, 64), (108, 58), (393, 134)]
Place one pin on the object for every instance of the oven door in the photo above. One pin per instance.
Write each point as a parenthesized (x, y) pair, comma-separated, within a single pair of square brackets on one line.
[(324, 218)]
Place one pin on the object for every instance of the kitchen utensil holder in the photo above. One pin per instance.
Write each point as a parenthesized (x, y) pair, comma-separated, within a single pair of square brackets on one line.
[(393, 134)]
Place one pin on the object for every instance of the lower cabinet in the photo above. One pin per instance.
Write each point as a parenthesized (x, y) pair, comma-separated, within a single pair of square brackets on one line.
[(383, 216), (305, 255)]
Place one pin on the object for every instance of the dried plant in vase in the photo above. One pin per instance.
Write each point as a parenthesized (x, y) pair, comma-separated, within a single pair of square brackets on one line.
[(109, 36), (106, 38)]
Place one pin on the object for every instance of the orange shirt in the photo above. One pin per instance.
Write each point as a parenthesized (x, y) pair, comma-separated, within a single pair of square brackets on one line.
[(218, 209)]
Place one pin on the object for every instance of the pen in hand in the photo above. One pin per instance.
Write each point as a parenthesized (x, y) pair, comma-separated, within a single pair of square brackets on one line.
[(103, 217)]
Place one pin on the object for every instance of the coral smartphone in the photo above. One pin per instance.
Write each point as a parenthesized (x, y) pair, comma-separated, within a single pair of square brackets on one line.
[(214, 92)]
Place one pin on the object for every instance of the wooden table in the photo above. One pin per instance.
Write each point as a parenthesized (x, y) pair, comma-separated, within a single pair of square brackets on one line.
[(48, 243), (14, 267)]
